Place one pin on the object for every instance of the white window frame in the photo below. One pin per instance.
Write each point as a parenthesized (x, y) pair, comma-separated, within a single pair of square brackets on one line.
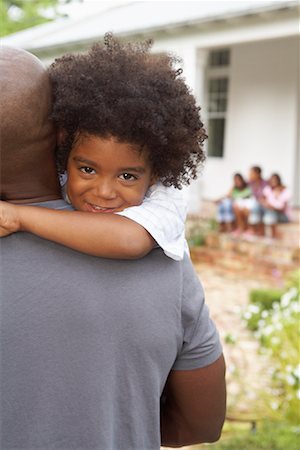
[(216, 72)]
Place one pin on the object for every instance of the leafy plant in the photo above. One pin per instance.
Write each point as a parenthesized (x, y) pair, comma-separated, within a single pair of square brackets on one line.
[(261, 300), (276, 325), (265, 297), (197, 231)]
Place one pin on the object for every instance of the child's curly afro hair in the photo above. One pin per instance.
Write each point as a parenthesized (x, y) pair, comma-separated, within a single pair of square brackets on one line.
[(121, 90)]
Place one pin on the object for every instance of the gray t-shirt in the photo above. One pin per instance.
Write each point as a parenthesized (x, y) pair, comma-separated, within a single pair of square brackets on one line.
[(87, 344)]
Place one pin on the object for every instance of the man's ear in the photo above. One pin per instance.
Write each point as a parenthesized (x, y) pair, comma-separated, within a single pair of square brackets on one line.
[(61, 134)]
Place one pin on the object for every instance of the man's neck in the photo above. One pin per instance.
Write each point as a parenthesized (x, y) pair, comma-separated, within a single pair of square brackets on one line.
[(31, 189)]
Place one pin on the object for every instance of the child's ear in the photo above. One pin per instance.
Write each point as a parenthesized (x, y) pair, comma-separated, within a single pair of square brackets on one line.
[(153, 179)]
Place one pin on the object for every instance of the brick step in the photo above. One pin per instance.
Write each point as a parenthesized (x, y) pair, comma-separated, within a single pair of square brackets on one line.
[(266, 249), (243, 264), (254, 255), (289, 234)]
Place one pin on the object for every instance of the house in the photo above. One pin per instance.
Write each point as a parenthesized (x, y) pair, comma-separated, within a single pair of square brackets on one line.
[(240, 59)]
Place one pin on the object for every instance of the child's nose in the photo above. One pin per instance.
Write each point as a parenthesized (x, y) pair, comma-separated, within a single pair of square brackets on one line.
[(105, 190)]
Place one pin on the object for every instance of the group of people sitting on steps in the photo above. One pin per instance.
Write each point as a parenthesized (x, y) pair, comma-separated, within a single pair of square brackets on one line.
[(252, 207)]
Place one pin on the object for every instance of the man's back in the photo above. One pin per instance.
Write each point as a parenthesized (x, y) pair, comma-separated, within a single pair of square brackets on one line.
[(87, 345)]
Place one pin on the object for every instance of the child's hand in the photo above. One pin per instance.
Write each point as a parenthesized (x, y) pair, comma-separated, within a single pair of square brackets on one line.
[(9, 219)]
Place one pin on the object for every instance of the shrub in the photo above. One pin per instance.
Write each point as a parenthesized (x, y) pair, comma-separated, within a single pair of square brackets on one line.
[(265, 297), (277, 328), (260, 300), (197, 231), (278, 332), (197, 240)]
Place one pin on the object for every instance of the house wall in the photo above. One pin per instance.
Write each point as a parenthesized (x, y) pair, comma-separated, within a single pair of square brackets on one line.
[(262, 115), (262, 111)]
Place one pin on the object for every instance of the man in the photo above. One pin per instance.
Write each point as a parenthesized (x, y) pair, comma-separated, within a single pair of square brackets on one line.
[(90, 347), (257, 185), (249, 214)]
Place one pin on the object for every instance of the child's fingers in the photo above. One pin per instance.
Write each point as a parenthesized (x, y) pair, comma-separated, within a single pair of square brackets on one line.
[(4, 232)]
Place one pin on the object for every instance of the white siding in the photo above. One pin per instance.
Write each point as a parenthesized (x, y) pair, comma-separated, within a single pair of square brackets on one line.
[(262, 114)]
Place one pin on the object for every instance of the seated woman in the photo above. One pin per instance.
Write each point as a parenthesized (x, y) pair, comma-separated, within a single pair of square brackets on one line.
[(276, 198), (239, 192)]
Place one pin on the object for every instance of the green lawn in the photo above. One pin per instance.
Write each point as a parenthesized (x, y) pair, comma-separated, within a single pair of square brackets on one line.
[(272, 436)]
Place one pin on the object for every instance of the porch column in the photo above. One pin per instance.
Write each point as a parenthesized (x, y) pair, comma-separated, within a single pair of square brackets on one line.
[(195, 66)]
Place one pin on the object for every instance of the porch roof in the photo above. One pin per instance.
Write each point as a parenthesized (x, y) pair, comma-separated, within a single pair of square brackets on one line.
[(139, 18)]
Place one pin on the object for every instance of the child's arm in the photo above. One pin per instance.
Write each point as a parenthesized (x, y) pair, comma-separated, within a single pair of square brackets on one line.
[(108, 236), (163, 214), (228, 195)]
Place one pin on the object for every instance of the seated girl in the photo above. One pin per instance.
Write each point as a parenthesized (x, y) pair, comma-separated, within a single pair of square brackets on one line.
[(130, 136), (275, 202), (229, 205)]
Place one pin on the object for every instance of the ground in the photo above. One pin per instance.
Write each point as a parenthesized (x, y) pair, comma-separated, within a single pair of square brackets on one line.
[(229, 269), (227, 295)]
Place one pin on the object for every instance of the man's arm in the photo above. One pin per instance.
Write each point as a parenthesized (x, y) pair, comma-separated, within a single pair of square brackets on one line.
[(195, 405), (107, 236)]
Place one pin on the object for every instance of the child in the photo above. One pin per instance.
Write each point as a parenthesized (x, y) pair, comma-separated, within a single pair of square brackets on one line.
[(130, 135), (236, 197), (276, 198)]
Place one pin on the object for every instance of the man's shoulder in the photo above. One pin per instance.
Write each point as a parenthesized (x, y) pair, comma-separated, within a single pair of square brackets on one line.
[(54, 204)]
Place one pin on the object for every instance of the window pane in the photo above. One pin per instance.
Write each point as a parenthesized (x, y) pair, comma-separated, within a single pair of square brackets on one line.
[(224, 58), (217, 100), (222, 104), (218, 85), (223, 84), (213, 105), (216, 137), (219, 58)]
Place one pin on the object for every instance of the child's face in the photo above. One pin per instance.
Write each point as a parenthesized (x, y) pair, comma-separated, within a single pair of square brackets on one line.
[(237, 182), (106, 176), (274, 182)]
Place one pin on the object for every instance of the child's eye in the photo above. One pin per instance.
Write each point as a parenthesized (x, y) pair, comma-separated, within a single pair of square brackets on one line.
[(87, 170), (128, 177)]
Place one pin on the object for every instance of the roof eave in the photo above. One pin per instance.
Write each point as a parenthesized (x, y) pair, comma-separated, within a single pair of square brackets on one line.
[(169, 29)]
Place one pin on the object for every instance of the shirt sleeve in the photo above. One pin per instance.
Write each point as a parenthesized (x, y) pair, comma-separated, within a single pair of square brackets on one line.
[(201, 344), (279, 202), (163, 214)]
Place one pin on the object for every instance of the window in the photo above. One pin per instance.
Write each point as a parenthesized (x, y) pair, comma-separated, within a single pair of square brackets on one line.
[(217, 95), (218, 58)]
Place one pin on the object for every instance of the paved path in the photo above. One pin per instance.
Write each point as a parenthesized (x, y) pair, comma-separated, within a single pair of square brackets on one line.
[(247, 371)]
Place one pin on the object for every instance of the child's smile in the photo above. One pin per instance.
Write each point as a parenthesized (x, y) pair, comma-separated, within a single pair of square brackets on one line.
[(106, 176)]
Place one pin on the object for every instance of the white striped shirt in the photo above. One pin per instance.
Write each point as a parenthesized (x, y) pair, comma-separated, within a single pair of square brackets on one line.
[(162, 214)]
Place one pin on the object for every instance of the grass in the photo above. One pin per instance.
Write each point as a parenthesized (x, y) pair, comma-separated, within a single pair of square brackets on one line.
[(270, 436)]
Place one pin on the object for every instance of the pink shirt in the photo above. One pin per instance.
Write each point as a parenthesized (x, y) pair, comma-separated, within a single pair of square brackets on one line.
[(278, 200)]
